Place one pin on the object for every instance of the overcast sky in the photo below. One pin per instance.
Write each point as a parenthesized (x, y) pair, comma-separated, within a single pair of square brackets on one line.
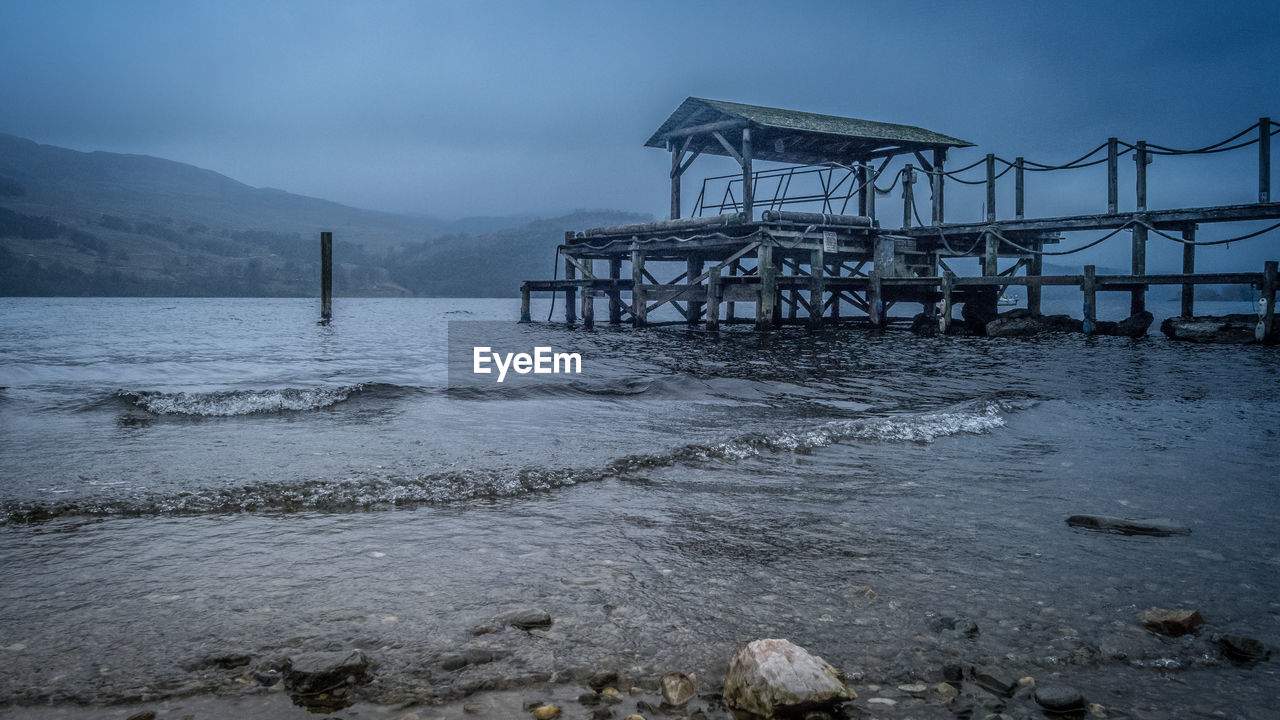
[(539, 107)]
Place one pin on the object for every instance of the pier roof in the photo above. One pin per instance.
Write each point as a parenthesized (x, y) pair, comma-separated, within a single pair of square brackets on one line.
[(792, 136)]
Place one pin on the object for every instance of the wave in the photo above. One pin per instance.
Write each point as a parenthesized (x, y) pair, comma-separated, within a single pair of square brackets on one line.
[(372, 493), (230, 403)]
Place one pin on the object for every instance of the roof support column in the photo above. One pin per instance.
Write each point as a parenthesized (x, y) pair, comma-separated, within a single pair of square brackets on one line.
[(747, 191), (675, 180)]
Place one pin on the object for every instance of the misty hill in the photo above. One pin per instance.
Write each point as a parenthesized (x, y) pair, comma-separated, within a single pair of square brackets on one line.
[(97, 223)]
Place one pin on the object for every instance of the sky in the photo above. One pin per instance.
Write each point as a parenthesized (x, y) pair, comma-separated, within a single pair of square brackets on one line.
[(496, 108)]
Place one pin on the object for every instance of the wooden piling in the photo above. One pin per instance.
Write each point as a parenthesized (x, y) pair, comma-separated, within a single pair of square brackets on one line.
[(675, 179), (944, 313), (1266, 330), (1090, 288), (1035, 266), (991, 255), (615, 296), (524, 304), (766, 308), (835, 296), (817, 282), (1188, 268), (728, 305), (1113, 175), (863, 172), (1138, 299), (875, 301), (570, 292), (588, 295), (871, 193), (639, 314), (713, 299), (326, 277), (1264, 160)]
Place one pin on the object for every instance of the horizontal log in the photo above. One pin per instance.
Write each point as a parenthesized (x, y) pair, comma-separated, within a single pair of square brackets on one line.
[(694, 223), (1108, 221), (705, 128), (807, 218)]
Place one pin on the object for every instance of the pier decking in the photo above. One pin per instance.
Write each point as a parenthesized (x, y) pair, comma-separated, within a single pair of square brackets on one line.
[(812, 267)]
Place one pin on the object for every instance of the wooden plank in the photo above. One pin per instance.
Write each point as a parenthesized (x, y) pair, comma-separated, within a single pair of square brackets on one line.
[(741, 293), (1164, 219), (693, 283)]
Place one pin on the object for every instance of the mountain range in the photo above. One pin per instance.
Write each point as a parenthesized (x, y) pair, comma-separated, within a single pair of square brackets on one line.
[(108, 224)]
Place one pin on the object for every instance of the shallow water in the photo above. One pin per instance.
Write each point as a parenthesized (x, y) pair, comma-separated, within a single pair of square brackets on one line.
[(184, 478)]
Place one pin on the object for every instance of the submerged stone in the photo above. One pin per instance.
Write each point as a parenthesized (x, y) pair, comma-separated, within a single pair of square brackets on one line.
[(318, 672), (1159, 527), (1243, 649), (1059, 698), (1171, 622), (529, 620), (677, 688), (767, 677)]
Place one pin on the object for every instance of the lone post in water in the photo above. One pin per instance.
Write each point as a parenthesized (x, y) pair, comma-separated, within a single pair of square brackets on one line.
[(326, 277)]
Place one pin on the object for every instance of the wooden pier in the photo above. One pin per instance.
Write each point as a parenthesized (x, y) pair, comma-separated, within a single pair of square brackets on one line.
[(744, 244)]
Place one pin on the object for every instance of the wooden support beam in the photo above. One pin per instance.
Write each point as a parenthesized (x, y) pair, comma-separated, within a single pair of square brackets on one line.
[(615, 296), (326, 277), (1019, 188), (676, 156), (766, 303), (817, 281), (872, 174), (734, 267), (793, 303), (1113, 175), (1266, 331), (1188, 268), (835, 296), (729, 148), (991, 187), (991, 255), (1141, 159), (639, 312), (570, 292), (1138, 298), (1035, 266), (1264, 160), (693, 269), (705, 128), (588, 296), (525, 317), (875, 302), (1090, 287), (713, 299)]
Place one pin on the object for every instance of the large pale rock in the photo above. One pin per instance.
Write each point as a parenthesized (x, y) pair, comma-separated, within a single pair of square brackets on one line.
[(1227, 329), (677, 688), (771, 676)]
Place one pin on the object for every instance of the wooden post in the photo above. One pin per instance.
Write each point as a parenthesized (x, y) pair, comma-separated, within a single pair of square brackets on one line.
[(524, 304), (639, 315), (713, 299), (588, 295), (1140, 159), (326, 277), (944, 317), (615, 295), (693, 269), (728, 306), (1188, 268), (871, 193), (835, 296), (570, 292), (875, 301), (908, 196), (1138, 299), (991, 255), (675, 180), (864, 172), (765, 306), (817, 283), (939, 178), (1019, 187), (1264, 160), (1090, 287), (748, 193), (1036, 267), (1113, 175), (1266, 329), (991, 187)]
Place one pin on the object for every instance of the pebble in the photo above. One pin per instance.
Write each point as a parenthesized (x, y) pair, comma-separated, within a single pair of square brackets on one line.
[(474, 708), (888, 702), (948, 692), (1027, 681), (1097, 710), (913, 688), (611, 695), (1171, 622), (546, 712), (633, 716)]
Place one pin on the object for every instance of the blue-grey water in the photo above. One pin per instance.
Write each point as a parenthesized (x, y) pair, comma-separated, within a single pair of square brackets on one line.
[(183, 478)]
